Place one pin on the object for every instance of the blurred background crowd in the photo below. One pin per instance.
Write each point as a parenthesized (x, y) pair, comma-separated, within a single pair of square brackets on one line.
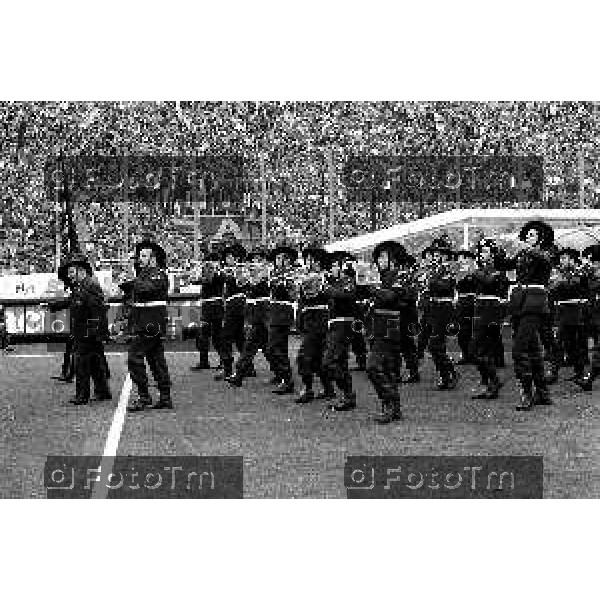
[(293, 154)]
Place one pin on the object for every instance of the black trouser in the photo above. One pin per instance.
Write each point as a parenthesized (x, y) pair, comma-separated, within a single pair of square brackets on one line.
[(385, 360), (549, 341), (424, 333), (527, 349), (335, 358), (210, 326), (68, 366), (464, 316), (233, 333), (258, 337), (487, 327), (358, 342), (572, 335), (441, 320), (152, 349), (312, 349), (594, 332), (277, 353), (89, 364)]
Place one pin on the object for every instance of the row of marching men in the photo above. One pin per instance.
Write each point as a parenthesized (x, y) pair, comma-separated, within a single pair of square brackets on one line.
[(459, 294)]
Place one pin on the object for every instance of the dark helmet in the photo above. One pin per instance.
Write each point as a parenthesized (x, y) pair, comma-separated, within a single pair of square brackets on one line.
[(237, 250), (75, 259), (161, 255), (396, 251), (545, 233), (283, 249), (592, 252)]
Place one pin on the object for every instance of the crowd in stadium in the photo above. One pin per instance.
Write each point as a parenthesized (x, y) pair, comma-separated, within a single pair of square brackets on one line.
[(296, 140)]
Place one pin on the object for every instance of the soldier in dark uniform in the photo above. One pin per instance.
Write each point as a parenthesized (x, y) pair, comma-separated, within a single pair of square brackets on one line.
[(465, 305), (587, 270), (529, 310), (340, 291), (440, 312), (491, 289), (234, 295), (568, 291), (210, 325), (593, 314), (392, 316), (89, 327), (148, 295), (281, 317), (257, 316), (552, 350), (313, 306), (68, 366)]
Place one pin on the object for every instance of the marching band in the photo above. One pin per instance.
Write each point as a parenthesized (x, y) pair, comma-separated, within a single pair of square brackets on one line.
[(251, 301)]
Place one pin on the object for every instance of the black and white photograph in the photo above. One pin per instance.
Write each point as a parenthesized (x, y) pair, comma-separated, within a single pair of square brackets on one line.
[(306, 295)]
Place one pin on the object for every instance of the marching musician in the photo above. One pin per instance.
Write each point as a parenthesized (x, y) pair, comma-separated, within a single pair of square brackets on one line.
[(568, 293), (465, 305), (340, 291), (281, 317), (147, 295), (440, 289), (89, 327), (530, 311), (257, 315), (392, 315), (313, 306), (592, 254), (491, 289), (210, 325), (235, 304), (68, 365)]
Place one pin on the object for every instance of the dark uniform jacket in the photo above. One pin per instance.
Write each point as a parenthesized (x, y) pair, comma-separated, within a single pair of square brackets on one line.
[(341, 298), (257, 301), (147, 297), (568, 293), (533, 267), (491, 288), (313, 307), (88, 311), (281, 304), (389, 308)]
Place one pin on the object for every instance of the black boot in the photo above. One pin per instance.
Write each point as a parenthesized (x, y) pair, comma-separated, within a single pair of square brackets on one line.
[(527, 402), (552, 376), (306, 396), (585, 383), (345, 401), (390, 411), (203, 365), (164, 400), (224, 373), (542, 396), (414, 377), (285, 387), (235, 380), (361, 363)]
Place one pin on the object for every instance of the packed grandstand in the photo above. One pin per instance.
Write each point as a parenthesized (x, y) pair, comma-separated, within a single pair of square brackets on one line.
[(298, 150)]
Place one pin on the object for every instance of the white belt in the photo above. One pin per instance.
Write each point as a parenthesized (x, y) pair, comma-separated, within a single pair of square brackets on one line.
[(213, 299), (572, 301), (284, 302), (466, 294), (442, 299), (383, 311), (149, 304), (235, 296), (316, 307), (483, 297), (535, 286), (340, 320), (256, 300)]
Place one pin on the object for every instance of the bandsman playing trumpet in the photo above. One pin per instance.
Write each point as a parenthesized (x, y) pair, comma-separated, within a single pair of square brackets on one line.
[(257, 315), (234, 297), (340, 289), (314, 312), (281, 317)]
